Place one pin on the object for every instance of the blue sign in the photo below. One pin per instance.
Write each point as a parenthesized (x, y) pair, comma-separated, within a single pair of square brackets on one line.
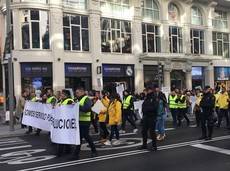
[(222, 73), (110, 70)]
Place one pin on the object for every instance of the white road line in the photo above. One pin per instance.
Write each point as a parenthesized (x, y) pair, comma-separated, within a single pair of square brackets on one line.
[(10, 139), (15, 143), (211, 148), (130, 153), (9, 142), (17, 147)]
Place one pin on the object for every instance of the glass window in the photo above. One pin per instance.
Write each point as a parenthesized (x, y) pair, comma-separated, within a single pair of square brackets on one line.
[(173, 12), (35, 29), (151, 38), (116, 36), (79, 4), (76, 33), (220, 20), (175, 39), (221, 44), (150, 10), (196, 16), (197, 41)]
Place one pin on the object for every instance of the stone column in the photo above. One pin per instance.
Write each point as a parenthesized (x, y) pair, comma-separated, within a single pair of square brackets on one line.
[(95, 43), (188, 76), (209, 76), (57, 45), (167, 71)]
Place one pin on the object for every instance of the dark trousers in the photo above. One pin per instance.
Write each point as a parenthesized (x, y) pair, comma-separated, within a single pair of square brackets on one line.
[(198, 120), (84, 133), (104, 133), (127, 115), (94, 121), (149, 125), (207, 123), (182, 114), (63, 148), (114, 131), (174, 116), (223, 113)]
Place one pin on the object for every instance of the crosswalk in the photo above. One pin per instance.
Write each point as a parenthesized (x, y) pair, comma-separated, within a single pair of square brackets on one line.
[(13, 143)]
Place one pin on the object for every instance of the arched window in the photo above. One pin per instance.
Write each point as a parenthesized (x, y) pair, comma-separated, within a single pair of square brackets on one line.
[(196, 15), (150, 10), (173, 12)]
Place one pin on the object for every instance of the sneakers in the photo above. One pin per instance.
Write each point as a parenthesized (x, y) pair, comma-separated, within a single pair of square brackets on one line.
[(107, 143), (161, 137), (122, 132), (135, 130), (117, 142)]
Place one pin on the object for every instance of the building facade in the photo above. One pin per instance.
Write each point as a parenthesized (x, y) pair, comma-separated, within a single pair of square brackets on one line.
[(99, 43)]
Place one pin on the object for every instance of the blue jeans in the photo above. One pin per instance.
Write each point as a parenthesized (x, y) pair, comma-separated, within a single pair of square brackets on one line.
[(160, 125)]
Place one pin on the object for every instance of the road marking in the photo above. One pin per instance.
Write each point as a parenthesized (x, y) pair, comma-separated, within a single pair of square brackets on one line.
[(11, 139), (118, 155), (14, 143), (211, 148), (17, 147), (9, 142)]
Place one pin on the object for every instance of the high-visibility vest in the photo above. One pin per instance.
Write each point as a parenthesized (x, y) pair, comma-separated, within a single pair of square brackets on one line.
[(182, 105), (84, 116), (127, 102), (49, 100), (66, 101), (34, 99), (217, 96), (172, 102)]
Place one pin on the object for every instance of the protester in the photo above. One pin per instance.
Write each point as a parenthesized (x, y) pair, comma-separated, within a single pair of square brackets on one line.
[(51, 99), (173, 107), (197, 110), (114, 112)]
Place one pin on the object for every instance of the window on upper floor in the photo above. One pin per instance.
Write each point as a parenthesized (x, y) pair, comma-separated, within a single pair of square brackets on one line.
[(40, 1), (196, 16), (173, 12), (197, 41), (151, 38), (150, 10), (175, 39), (221, 44), (76, 32), (116, 8), (116, 36), (79, 4), (220, 20), (35, 29)]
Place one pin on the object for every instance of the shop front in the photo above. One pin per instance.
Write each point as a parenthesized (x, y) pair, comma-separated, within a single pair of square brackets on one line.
[(36, 76), (78, 75), (116, 74), (197, 77), (222, 76), (151, 75)]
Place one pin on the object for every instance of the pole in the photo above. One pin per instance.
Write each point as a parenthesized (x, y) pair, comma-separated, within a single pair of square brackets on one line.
[(10, 69)]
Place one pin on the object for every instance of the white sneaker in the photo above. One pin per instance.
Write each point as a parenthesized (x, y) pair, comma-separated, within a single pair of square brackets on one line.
[(117, 142), (107, 143), (122, 132), (135, 131)]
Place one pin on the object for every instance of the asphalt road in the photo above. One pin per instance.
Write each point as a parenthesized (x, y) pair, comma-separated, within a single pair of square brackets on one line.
[(181, 151)]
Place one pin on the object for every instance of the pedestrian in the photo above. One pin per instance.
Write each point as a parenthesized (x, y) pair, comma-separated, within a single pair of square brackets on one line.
[(103, 115), (84, 122), (173, 107), (150, 110), (223, 103), (114, 112), (128, 112), (197, 110), (51, 99), (207, 105), (65, 99)]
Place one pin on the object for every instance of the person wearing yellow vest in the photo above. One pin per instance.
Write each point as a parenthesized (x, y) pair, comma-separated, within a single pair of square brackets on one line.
[(103, 115), (173, 107), (182, 108), (85, 105), (127, 112), (65, 100), (51, 99), (223, 103)]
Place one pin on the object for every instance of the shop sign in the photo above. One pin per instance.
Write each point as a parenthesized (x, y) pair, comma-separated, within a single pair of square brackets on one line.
[(222, 73), (36, 69), (77, 70), (118, 70)]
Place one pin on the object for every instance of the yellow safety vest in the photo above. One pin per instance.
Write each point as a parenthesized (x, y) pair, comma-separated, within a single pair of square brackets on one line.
[(217, 96), (172, 102), (66, 101), (84, 116), (182, 105), (34, 99), (49, 100), (126, 102)]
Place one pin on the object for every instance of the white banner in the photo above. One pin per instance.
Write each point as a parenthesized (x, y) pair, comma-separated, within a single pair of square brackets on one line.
[(65, 126), (120, 89), (37, 115), (138, 106), (98, 107)]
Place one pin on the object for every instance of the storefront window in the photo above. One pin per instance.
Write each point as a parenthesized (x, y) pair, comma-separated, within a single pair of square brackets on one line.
[(196, 16), (220, 20), (116, 36), (221, 44), (35, 29), (197, 77), (197, 41), (173, 12), (175, 39), (76, 32), (150, 10), (151, 38)]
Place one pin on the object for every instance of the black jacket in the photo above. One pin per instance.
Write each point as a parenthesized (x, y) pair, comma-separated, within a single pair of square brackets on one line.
[(207, 103), (150, 106)]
